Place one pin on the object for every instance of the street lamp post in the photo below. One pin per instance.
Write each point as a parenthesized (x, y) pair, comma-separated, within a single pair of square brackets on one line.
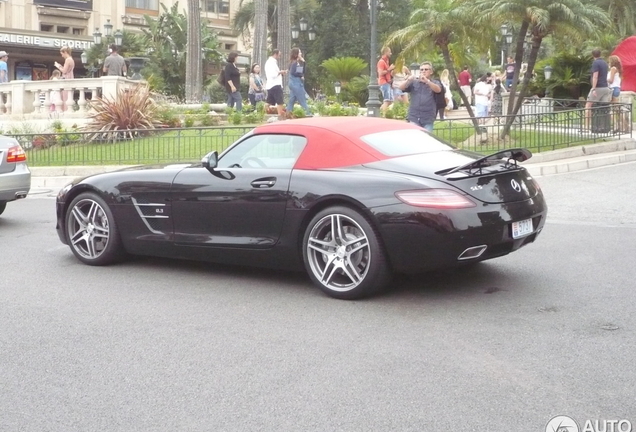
[(336, 88), (373, 103), (506, 41), (547, 74)]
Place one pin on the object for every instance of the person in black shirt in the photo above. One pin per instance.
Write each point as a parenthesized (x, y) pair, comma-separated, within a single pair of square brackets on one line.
[(600, 91), (233, 82)]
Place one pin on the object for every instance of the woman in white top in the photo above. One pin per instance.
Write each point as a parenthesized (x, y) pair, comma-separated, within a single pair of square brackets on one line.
[(398, 79), (614, 76), (445, 79)]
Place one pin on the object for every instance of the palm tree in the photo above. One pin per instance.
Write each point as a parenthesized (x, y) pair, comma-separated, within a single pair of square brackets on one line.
[(260, 31), (540, 18), (623, 15), (194, 66), (437, 23)]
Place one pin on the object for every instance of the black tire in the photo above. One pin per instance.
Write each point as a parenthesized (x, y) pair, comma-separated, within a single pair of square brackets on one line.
[(91, 231), (3, 205), (347, 262)]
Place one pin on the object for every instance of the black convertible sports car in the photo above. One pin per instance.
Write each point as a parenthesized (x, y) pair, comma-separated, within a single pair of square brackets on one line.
[(351, 200)]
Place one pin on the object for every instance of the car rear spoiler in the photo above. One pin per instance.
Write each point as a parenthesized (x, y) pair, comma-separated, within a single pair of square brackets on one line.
[(511, 156)]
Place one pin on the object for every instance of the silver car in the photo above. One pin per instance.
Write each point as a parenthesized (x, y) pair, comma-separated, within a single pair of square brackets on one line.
[(15, 177)]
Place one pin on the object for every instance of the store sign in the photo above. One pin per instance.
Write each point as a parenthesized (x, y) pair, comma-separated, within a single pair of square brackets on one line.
[(44, 42), (70, 4)]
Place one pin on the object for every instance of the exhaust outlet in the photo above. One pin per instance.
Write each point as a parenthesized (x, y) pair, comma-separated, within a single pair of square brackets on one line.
[(472, 252), (19, 195)]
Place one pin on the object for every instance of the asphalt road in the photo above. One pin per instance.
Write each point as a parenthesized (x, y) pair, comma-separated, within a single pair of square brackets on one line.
[(156, 345)]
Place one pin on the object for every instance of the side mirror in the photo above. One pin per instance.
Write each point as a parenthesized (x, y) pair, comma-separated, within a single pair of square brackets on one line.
[(210, 160)]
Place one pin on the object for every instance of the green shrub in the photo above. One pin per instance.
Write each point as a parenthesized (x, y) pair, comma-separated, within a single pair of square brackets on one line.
[(235, 117), (188, 121), (298, 112)]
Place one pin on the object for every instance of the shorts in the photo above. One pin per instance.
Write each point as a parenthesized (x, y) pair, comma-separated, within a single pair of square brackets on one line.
[(387, 92), (616, 92), (397, 92), (600, 94), (481, 110), (275, 95)]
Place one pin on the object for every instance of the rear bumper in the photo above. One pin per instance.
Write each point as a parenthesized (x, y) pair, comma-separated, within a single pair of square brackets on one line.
[(15, 184), (418, 240)]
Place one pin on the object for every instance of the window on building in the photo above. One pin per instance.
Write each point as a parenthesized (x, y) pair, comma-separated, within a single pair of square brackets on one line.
[(143, 4), (229, 47), (63, 29), (78, 31), (216, 6), (46, 28)]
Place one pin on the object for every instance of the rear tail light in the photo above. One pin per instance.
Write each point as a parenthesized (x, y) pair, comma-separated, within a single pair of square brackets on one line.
[(435, 198), (16, 154)]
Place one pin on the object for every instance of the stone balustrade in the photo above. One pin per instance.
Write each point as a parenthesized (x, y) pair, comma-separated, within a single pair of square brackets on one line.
[(66, 98)]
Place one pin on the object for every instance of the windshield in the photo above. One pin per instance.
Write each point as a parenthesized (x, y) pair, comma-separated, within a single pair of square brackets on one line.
[(404, 142)]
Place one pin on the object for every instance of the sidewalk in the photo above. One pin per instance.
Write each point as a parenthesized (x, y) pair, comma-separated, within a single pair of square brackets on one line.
[(551, 162)]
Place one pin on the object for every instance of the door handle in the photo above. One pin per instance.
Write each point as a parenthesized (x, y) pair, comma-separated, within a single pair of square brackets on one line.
[(264, 183)]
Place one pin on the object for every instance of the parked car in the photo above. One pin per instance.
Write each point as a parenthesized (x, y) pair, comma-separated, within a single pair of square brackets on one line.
[(350, 200), (15, 177)]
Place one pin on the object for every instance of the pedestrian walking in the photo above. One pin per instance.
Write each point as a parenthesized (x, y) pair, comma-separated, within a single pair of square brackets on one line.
[(482, 98), (496, 105), (385, 78), (66, 70), (510, 72), (614, 75), (4, 68), (600, 91), (464, 79), (296, 73), (274, 84), (422, 107), (256, 92), (398, 79), (448, 95), (114, 64), (233, 82)]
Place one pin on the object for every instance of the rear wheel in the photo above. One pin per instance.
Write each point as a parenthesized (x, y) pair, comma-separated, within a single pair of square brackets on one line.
[(343, 254), (92, 232), (3, 205)]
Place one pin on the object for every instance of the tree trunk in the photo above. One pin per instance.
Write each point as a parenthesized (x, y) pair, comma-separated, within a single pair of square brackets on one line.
[(194, 66), (518, 60), (260, 33), (532, 59), (453, 82), (284, 37)]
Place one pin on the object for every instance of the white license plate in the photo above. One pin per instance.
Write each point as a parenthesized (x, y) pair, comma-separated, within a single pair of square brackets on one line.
[(522, 228)]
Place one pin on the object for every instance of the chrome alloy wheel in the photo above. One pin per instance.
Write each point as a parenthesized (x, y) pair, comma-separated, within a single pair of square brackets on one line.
[(338, 252), (88, 229)]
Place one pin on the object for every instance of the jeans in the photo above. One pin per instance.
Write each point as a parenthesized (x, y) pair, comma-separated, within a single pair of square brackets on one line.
[(427, 126), (298, 94), (235, 98)]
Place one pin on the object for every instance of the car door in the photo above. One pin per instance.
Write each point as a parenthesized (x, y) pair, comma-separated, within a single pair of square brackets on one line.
[(240, 203)]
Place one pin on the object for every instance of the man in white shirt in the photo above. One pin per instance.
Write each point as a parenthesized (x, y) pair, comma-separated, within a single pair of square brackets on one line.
[(274, 84), (482, 92)]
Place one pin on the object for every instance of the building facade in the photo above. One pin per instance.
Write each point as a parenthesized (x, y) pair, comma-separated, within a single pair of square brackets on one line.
[(33, 31)]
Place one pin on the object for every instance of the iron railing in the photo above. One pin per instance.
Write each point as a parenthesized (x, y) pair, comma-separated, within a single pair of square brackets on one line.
[(134, 148), (541, 127), (537, 127)]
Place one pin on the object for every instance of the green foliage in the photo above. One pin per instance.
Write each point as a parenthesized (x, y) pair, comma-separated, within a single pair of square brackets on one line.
[(335, 109), (298, 112), (234, 117), (344, 69), (397, 110), (188, 121), (570, 76), (131, 109), (357, 90), (168, 116)]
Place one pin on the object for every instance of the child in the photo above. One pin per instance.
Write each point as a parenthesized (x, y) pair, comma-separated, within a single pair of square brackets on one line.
[(55, 94)]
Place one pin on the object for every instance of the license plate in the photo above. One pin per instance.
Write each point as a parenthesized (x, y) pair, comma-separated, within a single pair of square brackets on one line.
[(522, 228)]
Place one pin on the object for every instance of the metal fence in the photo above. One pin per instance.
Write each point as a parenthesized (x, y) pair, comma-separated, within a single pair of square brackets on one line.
[(136, 147), (539, 127)]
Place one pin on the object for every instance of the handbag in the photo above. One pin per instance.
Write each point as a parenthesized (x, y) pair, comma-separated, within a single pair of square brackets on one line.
[(259, 96)]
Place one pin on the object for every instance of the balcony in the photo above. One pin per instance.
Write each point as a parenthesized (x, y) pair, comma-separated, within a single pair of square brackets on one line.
[(67, 99)]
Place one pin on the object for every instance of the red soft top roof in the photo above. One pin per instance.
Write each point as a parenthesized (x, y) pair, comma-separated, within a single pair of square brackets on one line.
[(335, 141)]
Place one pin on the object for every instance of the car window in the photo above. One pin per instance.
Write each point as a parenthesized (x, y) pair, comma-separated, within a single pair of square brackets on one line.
[(404, 142), (264, 151)]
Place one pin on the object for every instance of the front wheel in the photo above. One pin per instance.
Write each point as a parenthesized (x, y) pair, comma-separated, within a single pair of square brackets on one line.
[(91, 231), (343, 254)]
